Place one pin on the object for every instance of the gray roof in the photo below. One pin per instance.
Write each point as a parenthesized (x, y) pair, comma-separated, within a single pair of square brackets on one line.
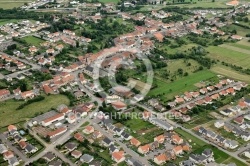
[(106, 140), (3, 148), (55, 163), (95, 163), (13, 160), (50, 156), (207, 152), (188, 163), (70, 145), (29, 147), (86, 158), (134, 162), (161, 123), (112, 148)]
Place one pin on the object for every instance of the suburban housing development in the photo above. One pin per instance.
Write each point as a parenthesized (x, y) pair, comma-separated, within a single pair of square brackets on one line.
[(125, 83)]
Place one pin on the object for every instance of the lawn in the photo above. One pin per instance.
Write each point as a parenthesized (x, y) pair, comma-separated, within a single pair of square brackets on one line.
[(229, 56), (31, 40), (137, 124), (9, 114), (198, 146), (169, 90)]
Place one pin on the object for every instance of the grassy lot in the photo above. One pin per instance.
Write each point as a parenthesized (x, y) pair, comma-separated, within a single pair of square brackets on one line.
[(109, 1), (240, 30), (230, 73), (203, 4), (10, 5), (168, 90), (198, 146), (5, 21), (138, 124), (9, 114), (198, 120), (229, 56), (31, 40)]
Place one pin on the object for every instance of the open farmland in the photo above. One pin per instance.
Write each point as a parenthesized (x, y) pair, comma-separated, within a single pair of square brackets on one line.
[(9, 114), (229, 56), (228, 72), (12, 4), (203, 4)]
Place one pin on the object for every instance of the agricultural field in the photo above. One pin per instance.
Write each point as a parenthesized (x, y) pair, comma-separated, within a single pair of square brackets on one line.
[(167, 91), (230, 73), (9, 114), (240, 30), (31, 40), (198, 146), (229, 56), (12, 4), (203, 4)]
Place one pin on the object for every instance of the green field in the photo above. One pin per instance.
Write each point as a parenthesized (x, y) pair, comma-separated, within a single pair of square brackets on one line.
[(239, 45), (168, 90), (203, 4), (109, 1), (229, 56), (198, 119), (5, 21), (230, 73), (198, 146), (9, 114), (31, 40)]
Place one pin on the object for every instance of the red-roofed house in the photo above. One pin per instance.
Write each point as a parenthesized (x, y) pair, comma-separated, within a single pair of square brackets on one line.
[(160, 159), (4, 93), (88, 130), (135, 142), (57, 132), (144, 149), (159, 139), (118, 156), (52, 119)]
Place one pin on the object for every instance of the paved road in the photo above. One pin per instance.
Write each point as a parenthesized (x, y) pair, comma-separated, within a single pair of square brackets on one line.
[(16, 151), (122, 145), (176, 125), (33, 66)]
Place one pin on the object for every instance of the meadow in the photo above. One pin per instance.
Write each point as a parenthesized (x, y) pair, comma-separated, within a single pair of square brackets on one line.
[(169, 90), (203, 4), (31, 40), (9, 114), (229, 56)]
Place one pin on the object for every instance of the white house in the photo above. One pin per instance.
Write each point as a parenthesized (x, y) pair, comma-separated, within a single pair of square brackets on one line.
[(219, 123)]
